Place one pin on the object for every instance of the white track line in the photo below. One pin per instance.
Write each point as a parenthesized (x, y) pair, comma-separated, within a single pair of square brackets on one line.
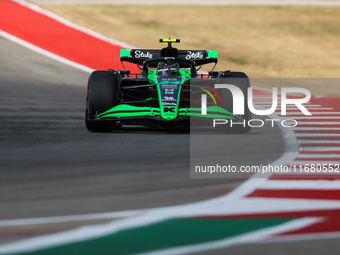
[(315, 128), (69, 218), (302, 237), (316, 118), (309, 162), (311, 108), (320, 149), (269, 103), (301, 184), (318, 141), (317, 135), (319, 113), (319, 123), (290, 106), (270, 100), (278, 109), (318, 156)]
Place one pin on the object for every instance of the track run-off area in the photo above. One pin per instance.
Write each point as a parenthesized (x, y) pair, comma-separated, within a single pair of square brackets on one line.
[(196, 2), (299, 207)]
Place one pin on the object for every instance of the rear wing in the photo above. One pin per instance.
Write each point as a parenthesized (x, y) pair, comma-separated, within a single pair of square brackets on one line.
[(138, 56), (185, 54)]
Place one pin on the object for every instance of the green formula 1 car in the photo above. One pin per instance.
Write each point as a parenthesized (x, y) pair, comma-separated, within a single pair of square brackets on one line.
[(167, 93)]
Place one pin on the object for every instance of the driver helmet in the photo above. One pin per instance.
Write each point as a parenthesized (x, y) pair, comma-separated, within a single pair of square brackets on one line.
[(165, 69)]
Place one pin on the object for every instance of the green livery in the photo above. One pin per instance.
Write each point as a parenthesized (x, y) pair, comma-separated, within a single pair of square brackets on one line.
[(166, 93)]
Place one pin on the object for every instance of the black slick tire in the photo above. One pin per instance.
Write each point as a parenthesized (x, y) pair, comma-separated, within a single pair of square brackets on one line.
[(102, 95)]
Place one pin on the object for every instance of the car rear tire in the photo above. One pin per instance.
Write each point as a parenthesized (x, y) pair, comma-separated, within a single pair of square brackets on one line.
[(102, 95), (240, 80)]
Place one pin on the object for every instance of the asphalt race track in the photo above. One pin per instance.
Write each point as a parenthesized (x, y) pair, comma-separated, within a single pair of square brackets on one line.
[(51, 165)]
